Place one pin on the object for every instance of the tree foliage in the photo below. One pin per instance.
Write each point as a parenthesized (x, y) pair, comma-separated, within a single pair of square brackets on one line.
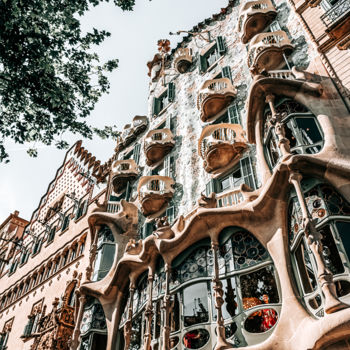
[(50, 79)]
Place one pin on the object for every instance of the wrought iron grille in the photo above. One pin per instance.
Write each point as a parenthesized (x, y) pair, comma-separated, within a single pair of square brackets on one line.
[(339, 10)]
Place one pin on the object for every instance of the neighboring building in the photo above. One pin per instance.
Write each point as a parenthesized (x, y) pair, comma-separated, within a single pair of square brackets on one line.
[(222, 218)]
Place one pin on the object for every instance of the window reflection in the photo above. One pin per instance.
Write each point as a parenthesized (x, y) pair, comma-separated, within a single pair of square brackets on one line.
[(258, 287), (195, 339), (195, 304), (230, 307)]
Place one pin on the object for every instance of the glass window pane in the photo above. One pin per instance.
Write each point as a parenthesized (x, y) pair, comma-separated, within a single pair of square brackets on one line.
[(259, 287), (229, 308), (225, 184), (309, 131), (195, 304), (343, 228), (305, 268)]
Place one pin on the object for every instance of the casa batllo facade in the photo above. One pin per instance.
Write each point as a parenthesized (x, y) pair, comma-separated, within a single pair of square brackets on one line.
[(222, 218)]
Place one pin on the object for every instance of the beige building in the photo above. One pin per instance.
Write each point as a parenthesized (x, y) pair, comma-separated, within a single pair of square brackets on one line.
[(222, 217)]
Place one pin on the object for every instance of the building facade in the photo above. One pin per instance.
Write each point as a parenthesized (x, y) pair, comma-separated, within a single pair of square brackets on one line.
[(222, 218)]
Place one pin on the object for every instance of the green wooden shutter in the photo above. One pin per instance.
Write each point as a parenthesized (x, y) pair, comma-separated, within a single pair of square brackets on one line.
[(168, 122), (233, 114), (275, 26), (171, 92), (136, 154), (85, 208), (202, 64), (156, 106), (28, 328), (168, 164), (170, 214), (220, 45), (211, 187), (147, 229), (128, 191), (226, 73), (247, 172)]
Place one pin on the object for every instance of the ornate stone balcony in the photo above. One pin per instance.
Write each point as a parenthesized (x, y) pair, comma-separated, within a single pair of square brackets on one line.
[(158, 143), (139, 124), (182, 59), (213, 98), (266, 51), (123, 171), (221, 146), (128, 134), (255, 16), (154, 194)]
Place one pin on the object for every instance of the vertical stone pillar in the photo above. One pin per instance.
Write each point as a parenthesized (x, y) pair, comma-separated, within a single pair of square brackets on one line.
[(92, 257), (76, 332), (276, 120), (324, 275), (128, 323), (166, 309), (149, 313), (219, 301)]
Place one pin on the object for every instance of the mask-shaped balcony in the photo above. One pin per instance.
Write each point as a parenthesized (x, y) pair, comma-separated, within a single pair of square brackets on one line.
[(182, 59), (266, 51), (154, 194), (158, 144), (213, 98), (221, 146), (128, 135), (139, 124), (255, 16), (123, 171)]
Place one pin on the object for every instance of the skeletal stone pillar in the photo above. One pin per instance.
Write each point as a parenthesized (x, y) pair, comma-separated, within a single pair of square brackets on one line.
[(92, 257), (219, 301), (276, 120), (166, 309), (324, 275), (128, 323), (149, 314), (76, 332)]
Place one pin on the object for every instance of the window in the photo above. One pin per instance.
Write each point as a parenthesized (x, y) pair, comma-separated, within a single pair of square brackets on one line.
[(24, 257), (82, 247), (4, 335), (136, 153), (82, 209), (161, 102), (51, 234), (215, 51), (331, 214), (37, 246), (242, 173), (73, 253), (301, 129), (170, 214), (13, 267), (65, 223)]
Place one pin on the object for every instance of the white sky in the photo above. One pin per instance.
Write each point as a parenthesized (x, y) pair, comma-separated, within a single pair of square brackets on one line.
[(134, 42)]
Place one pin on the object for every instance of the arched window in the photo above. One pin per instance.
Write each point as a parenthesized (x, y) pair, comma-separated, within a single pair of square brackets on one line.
[(249, 283), (301, 129), (93, 326), (73, 253), (105, 253), (331, 214)]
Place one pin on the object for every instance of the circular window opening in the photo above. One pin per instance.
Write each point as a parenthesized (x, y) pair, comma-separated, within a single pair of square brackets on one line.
[(196, 338), (261, 321)]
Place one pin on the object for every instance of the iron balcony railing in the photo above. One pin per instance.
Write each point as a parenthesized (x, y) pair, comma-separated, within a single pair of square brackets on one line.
[(340, 10)]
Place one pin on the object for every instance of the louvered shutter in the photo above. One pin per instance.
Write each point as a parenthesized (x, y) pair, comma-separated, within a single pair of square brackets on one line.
[(226, 73), (247, 172), (168, 122), (211, 187), (128, 191), (156, 106), (202, 62), (147, 229), (85, 208), (220, 45), (233, 115), (136, 154), (170, 213), (171, 92), (275, 26), (168, 162)]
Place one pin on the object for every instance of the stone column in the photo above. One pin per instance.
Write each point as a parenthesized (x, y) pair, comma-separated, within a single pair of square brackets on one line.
[(276, 120), (219, 301), (128, 323), (324, 275), (76, 332), (166, 309), (92, 257), (149, 313)]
